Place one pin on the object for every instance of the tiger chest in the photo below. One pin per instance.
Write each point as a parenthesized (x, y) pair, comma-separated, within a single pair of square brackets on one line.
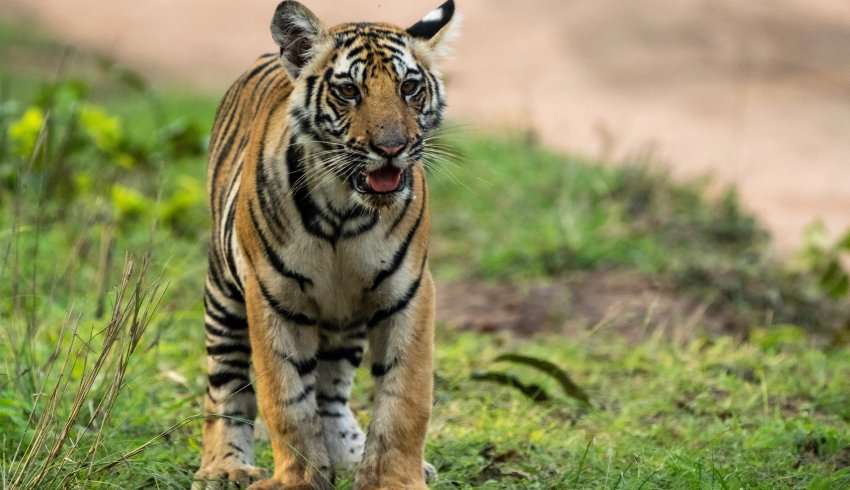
[(342, 276)]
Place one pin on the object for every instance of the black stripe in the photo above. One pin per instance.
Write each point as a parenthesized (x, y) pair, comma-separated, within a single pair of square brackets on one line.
[(345, 44), (217, 196), (266, 76), (304, 204), (354, 355), (322, 398), (212, 330), (305, 367), (221, 349), (402, 303), (230, 107), (402, 214), (213, 272), (380, 370), (260, 98), (355, 52), (230, 260), (401, 253), (227, 289), (301, 397), (257, 69), (235, 173), (290, 316), (274, 259), (325, 80), (224, 106), (329, 415), (393, 49), (220, 155), (228, 321), (218, 380), (269, 205), (222, 315), (235, 363), (311, 86), (385, 34), (303, 124), (364, 228)]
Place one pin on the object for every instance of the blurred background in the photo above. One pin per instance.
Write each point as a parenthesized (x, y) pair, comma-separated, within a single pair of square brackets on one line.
[(754, 93), (640, 238)]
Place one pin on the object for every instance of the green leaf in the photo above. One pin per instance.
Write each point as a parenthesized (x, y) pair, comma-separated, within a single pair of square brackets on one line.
[(103, 129), (834, 280), (128, 203), (532, 391), (24, 132), (844, 243), (570, 388)]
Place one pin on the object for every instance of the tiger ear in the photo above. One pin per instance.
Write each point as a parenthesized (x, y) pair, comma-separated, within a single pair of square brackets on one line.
[(437, 28), (297, 31)]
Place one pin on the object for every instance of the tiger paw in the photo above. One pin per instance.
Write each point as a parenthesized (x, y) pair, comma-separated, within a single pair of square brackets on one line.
[(369, 481), (430, 472), (344, 439), (275, 484), (269, 484), (227, 477)]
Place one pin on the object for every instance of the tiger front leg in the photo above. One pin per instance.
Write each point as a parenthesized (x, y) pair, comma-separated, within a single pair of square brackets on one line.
[(284, 347), (402, 347), (339, 356), (229, 403)]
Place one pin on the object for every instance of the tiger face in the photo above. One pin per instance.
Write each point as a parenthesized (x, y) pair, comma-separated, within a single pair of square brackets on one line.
[(366, 96)]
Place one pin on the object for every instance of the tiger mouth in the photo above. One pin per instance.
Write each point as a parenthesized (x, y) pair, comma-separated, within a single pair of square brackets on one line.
[(388, 179)]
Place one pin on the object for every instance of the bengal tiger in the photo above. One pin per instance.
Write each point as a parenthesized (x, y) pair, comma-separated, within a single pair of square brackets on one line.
[(319, 250)]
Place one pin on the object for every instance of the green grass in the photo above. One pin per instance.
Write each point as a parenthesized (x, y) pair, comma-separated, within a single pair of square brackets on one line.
[(765, 408), (713, 413)]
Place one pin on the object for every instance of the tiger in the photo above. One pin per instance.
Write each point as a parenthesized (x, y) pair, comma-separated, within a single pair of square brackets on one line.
[(318, 254)]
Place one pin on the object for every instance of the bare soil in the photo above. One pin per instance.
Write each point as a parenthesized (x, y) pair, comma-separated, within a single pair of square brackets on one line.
[(756, 93), (628, 303)]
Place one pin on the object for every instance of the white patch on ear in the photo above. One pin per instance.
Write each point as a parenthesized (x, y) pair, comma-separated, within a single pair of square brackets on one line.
[(435, 15)]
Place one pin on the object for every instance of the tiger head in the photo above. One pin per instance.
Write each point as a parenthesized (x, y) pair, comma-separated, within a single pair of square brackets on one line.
[(366, 96)]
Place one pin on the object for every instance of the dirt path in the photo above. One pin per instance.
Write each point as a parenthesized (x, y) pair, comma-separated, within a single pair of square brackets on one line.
[(757, 93)]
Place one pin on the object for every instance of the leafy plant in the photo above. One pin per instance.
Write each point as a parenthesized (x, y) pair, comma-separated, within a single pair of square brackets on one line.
[(88, 160), (827, 260)]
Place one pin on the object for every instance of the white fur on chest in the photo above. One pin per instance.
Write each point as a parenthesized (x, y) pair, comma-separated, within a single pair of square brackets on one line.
[(341, 275)]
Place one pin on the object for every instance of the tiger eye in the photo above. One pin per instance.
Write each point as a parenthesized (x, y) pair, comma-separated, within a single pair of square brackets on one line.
[(348, 90), (409, 87)]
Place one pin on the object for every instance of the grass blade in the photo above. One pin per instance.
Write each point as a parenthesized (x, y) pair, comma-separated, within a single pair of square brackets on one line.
[(570, 388), (532, 391)]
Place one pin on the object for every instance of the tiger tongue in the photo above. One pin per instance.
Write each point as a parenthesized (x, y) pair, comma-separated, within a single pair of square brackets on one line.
[(385, 179)]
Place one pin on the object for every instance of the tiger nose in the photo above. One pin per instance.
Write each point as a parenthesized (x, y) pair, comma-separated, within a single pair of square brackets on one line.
[(389, 149)]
